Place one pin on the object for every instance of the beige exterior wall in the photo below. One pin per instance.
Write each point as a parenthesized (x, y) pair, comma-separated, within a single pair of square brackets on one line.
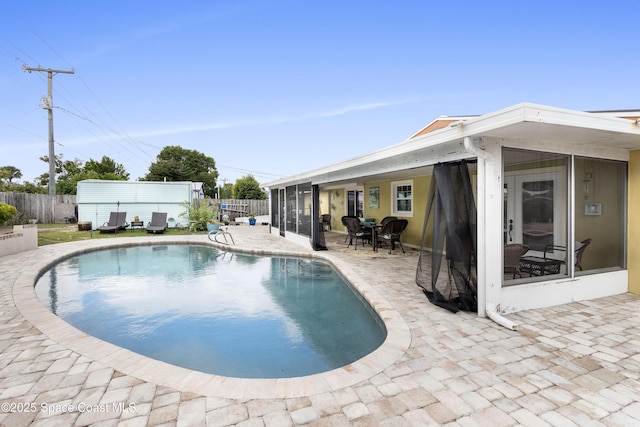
[(335, 200), (324, 203), (333, 203), (420, 192), (633, 236)]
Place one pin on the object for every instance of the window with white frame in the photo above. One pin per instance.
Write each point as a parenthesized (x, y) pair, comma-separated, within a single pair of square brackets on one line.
[(402, 198)]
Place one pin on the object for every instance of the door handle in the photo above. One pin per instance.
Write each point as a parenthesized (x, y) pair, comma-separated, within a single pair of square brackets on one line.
[(510, 230)]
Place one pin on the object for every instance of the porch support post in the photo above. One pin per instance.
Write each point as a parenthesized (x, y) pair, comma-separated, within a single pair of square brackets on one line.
[(315, 214), (317, 231), (489, 241)]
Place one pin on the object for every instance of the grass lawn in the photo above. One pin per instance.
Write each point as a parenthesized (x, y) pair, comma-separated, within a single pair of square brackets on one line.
[(49, 234)]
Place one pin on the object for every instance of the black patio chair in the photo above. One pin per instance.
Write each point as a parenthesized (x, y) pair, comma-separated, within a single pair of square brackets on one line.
[(512, 254), (344, 223), (357, 231), (580, 251), (386, 219), (325, 220), (391, 233), (580, 247)]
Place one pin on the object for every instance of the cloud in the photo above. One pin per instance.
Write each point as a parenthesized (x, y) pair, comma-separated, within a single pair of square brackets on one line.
[(268, 121), (158, 29)]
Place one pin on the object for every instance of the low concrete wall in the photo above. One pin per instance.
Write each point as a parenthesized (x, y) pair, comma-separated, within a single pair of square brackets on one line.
[(23, 238)]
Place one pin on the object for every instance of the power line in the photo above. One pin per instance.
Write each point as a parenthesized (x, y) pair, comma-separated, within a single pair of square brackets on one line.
[(133, 159), (104, 127), (108, 130), (266, 174), (133, 156)]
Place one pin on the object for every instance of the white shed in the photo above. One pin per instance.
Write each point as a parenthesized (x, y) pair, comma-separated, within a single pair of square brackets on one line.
[(98, 198)]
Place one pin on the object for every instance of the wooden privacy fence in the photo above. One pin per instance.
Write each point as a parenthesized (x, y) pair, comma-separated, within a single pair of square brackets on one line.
[(51, 209), (258, 207), (235, 208), (43, 207)]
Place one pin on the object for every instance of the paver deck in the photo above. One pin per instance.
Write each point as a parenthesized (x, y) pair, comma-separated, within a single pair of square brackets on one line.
[(575, 364)]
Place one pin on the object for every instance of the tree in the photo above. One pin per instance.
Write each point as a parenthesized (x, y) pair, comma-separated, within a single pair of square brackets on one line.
[(107, 168), (7, 175), (64, 170), (248, 188), (226, 191), (175, 163), (26, 187), (10, 173), (29, 187), (69, 172)]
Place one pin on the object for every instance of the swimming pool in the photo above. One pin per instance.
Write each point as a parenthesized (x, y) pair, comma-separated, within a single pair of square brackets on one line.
[(217, 312)]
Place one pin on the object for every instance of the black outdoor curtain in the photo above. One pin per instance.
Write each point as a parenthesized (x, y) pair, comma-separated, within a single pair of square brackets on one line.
[(452, 204), (317, 229)]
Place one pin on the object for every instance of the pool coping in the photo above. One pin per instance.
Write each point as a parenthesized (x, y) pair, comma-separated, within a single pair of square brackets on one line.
[(128, 362)]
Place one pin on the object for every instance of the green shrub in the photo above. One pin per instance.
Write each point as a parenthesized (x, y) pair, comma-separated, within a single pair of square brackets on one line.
[(6, 212), (18, 219), (200, 213)]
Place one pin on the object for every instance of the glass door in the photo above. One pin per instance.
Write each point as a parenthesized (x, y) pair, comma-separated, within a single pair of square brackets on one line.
[(535, 211), (355, 203)]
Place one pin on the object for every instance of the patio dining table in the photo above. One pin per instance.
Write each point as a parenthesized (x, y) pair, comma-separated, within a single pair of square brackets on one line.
[(374, 227), (539, 266)]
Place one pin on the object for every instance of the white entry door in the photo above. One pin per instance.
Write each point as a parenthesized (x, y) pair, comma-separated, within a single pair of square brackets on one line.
[(535, 210)]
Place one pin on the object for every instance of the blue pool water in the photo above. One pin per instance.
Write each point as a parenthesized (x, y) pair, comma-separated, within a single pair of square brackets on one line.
[(212, 311)]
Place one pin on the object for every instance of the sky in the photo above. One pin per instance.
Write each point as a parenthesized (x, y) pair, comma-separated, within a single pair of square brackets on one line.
[(275, 88)]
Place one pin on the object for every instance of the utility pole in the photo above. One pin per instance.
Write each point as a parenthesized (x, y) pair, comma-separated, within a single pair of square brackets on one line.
[(47, 104), (224, 184)]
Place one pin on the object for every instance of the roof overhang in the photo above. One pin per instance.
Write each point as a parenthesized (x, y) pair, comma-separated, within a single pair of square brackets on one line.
[(524, 125)]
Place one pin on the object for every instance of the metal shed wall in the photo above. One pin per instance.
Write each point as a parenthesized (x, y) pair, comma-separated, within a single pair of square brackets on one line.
[(98, 198)]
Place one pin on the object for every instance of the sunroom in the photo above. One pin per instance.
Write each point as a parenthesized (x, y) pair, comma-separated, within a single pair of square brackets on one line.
[(558, 183)]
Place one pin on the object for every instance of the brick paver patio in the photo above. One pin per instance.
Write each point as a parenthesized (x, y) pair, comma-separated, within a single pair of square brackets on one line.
[(576, 364)]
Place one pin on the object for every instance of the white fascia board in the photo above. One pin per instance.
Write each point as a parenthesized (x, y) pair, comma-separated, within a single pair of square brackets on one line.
[(564, 131), (618, 113), (559, 116), (454, 134), (451, 134), (349, 168), (551, 115), (535, 113)]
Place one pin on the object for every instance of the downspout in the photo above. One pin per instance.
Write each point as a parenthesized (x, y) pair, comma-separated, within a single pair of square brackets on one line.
[(478, 151), (500, 319), (491, 312)]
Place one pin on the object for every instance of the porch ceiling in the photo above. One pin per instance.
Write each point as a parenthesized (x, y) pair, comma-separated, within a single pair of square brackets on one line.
[(394, 176)]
